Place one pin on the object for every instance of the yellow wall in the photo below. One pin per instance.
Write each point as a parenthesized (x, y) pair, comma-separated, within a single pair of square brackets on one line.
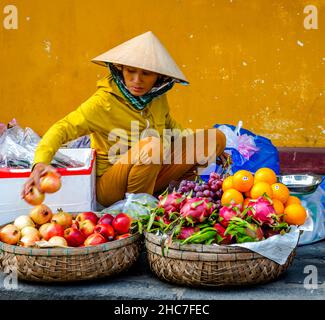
[(249, 60)]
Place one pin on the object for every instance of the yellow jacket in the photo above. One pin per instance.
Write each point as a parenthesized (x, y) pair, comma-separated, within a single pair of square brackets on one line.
[(105, 110)]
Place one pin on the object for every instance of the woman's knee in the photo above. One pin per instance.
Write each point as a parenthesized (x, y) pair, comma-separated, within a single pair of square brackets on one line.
[(214, 139), (152, 148), (221, 141), (109, 190)]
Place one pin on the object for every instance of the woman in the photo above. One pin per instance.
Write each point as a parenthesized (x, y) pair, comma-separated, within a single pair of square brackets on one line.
[(129, 101)]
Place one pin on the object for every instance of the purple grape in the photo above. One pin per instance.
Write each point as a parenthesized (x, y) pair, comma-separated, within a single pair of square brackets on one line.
[(206, 193), (191, 184), (197, 188), (219, 184), (199, 194), (214, 175), (214, 188)]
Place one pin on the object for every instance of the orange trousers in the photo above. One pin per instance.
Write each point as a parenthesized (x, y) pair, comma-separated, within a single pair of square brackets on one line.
[(137, 177)]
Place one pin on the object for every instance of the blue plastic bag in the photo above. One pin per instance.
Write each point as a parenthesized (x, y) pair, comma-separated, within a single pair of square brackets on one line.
[(261, 152), (267, 154)]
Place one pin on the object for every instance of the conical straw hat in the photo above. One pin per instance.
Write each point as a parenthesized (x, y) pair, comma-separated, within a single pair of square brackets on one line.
[(146, 52)]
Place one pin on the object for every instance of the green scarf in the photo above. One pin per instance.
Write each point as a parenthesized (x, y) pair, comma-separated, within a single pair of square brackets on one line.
[(162, 85)]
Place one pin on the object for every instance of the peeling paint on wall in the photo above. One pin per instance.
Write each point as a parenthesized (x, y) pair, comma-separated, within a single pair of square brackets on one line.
[(300, 43), (47, 46)]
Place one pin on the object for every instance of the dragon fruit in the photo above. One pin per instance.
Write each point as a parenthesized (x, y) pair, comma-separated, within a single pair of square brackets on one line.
[(227, 212), (171, 202), (279, 227), (244, 231), (186, 232), (221, 237), (270, 232), (262, 211), (197, 209), (165, 218)]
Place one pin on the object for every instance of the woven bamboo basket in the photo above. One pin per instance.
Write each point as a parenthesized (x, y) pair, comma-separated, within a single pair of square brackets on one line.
[(208, 265), (70, 264)]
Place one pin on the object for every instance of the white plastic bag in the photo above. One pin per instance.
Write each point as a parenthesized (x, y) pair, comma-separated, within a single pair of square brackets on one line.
[(244, 144), (134, 204), (17, 148)]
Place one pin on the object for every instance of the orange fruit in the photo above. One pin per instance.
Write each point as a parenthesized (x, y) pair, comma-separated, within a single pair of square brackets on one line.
[(265, 175), (259, 188), (242, 180), (292, 200), (280, 192), (231, 195), (278, 206), (227, 183), (295, 214)]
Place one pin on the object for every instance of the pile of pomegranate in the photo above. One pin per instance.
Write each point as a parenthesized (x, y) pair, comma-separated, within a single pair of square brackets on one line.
[(64, 230), (43, 228)]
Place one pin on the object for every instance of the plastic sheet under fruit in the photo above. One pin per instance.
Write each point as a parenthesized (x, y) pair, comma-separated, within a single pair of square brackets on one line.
[(315, 203), (279, 247)]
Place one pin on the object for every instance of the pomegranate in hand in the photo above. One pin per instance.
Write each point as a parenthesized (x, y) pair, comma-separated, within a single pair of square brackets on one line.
[(50, 182), (34, 196)]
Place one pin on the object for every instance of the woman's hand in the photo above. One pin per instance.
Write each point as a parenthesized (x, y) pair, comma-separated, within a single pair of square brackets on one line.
[(40, 169)]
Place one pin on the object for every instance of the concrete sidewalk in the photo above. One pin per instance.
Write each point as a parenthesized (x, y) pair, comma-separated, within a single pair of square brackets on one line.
[(140, 283)]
